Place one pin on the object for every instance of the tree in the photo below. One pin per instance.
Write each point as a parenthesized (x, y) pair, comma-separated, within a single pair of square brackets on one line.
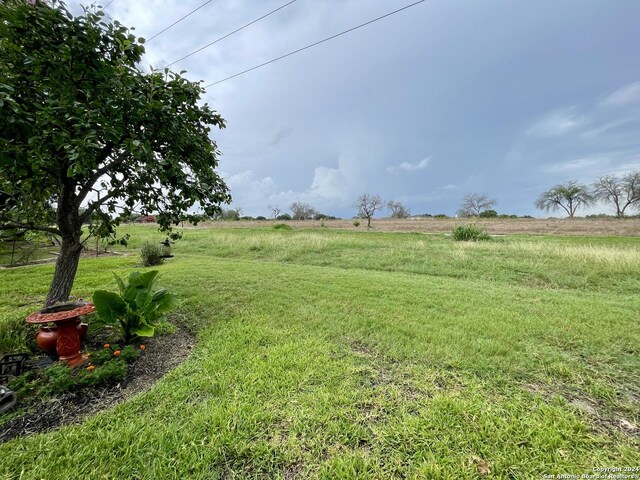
[(275, 210), (367, 206), (398, 210), (302, 211), (474, 203), (84, 130), (568, 196), (488, 214), (229, 214), (622, 192)]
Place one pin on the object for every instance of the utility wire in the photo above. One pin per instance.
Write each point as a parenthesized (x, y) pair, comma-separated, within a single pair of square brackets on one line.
[(313, 44), (229, 34), (178, 21), (105, 7)]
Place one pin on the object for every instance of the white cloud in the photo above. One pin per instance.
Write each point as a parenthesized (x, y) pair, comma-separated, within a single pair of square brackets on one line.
[(633, 165), (329, 183), (410, 167), (556, 123), (623, 96), (579, 165), (610, 127), (330, 188), (249, 191)]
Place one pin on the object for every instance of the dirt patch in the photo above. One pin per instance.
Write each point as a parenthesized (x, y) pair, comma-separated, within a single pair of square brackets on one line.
[(383, 372), (601, 419), (74, 407)]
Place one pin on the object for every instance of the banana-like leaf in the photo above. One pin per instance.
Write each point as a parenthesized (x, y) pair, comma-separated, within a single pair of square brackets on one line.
[(121, 285), (109, 305), (143, 280), (144, 330), (163, 300)]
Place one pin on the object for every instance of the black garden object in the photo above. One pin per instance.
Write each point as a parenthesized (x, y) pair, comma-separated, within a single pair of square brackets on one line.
[(166, 249)]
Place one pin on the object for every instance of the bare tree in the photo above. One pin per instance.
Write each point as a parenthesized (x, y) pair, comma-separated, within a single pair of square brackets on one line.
[(474, 203), (568, 196), (302, 211), (398, 210), (275, 210), (622, 192), (367, 206)]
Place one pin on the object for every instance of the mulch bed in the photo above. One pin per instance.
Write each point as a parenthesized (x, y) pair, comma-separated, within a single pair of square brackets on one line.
[(74, 407)]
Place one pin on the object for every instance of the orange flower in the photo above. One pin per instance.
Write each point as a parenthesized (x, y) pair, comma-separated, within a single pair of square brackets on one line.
[(91, 367), (116, 353), (106, 345), (142, 347)]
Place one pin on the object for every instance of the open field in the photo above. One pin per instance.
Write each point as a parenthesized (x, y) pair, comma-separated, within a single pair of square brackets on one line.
[(331, 354), (497, 226)]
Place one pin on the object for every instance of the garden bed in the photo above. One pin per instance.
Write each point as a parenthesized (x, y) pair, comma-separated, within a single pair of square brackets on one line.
[(54, 412)]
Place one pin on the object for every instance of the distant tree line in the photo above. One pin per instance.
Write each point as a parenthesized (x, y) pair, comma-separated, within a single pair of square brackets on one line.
[(621, 192)]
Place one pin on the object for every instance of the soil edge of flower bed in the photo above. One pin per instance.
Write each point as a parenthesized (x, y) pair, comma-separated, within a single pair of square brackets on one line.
[(74, 407)]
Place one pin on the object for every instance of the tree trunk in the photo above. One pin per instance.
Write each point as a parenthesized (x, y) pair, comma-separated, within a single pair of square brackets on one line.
[(65, 272)]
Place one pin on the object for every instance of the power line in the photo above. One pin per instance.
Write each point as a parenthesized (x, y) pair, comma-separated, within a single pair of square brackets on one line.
[(229, 34), (313, 44), (178, 21), (105, 7)]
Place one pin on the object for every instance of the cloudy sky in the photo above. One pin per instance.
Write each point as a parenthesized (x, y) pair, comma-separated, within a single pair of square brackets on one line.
[(503, 97)]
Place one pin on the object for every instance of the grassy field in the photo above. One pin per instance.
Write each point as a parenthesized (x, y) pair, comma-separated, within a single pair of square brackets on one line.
[(606, 226), (351, 354)]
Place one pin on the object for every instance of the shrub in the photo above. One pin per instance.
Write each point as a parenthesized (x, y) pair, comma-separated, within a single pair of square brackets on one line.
[(151, 254), (137, 308), (260, 217), (441, 215), (110, 372), (488, 214), (470, 233), (282, 226), (58, 379), (129, 354), (284, 216), (356, 223)]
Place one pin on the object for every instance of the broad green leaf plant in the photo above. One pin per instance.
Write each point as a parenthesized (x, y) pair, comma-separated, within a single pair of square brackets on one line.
[(138, 307)]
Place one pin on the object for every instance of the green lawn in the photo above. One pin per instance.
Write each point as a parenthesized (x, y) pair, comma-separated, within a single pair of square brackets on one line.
[(336, 354)]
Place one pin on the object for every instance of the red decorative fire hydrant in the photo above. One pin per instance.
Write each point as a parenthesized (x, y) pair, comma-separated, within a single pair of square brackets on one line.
[(66, 317)]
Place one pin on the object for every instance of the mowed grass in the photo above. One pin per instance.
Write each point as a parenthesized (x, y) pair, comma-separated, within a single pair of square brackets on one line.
[(325, 354)]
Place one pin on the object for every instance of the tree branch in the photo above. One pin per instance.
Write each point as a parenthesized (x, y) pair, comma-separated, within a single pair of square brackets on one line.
[(93, 206), (119, 160), (30, 226)]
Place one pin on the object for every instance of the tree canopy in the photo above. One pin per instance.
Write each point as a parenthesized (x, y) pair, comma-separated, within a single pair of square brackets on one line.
[(622, 192), (367, 205), (568, 196), (302, 211), (474, 203), (398, 210), (84, 130)]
